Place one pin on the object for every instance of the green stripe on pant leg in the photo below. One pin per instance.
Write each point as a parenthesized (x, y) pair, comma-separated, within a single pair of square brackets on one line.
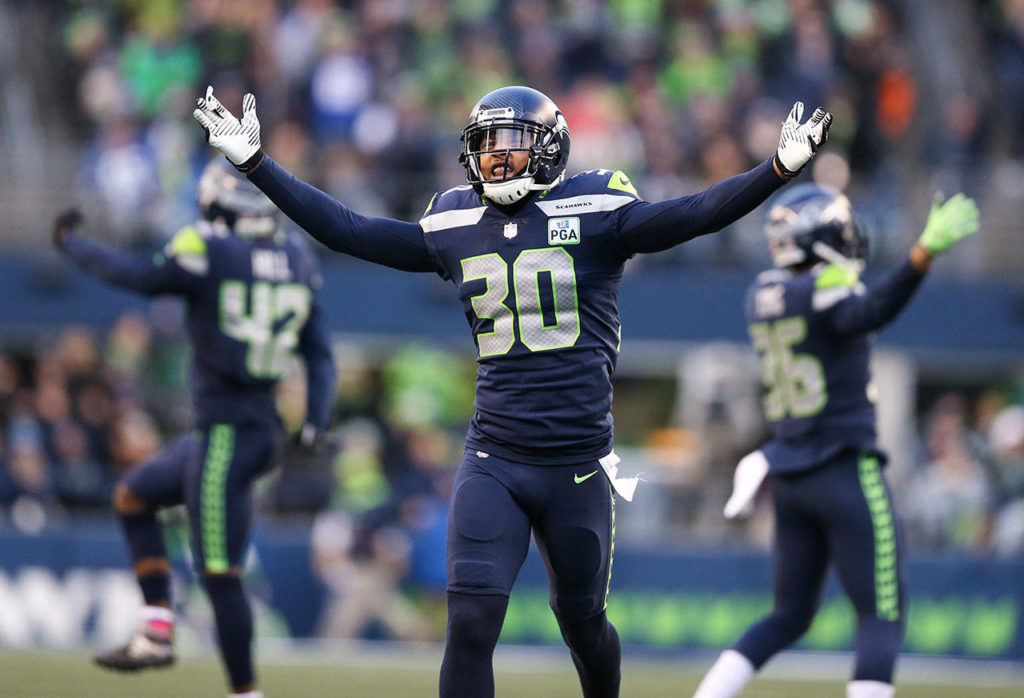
[(611, 552), (887, 600), (213, 498)]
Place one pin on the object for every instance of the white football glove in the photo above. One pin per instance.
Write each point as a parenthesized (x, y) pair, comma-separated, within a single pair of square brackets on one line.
[(238, 140), (799, 141), (746, 481)]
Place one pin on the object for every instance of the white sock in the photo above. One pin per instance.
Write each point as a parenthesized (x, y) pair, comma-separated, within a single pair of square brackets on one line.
[(870, 689), (727, 676), (157, 613), (247, 694)]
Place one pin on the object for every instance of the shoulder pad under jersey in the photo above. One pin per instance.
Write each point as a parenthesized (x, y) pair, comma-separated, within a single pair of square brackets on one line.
[(189, 249), (832, 284)]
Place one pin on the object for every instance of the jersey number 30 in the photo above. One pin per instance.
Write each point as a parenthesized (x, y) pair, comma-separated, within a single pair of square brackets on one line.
[(546, 307), (268, 318), (794, 383)]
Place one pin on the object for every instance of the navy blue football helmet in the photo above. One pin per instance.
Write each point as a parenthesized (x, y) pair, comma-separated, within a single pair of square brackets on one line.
[(813, 222), (226, 195), (515, 119)]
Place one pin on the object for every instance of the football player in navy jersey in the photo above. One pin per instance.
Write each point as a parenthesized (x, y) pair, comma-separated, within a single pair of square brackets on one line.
[(252, 295), (810, 320), (536, 260)]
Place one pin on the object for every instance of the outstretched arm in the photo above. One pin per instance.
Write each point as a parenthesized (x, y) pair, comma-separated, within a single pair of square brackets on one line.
[(948, 223), (385, 241), (871, 309), (393, 243), (651, 227), (160, 273)]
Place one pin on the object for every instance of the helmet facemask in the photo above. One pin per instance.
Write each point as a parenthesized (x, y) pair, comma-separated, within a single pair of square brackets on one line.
[(227, 197), (488, 151), (820, 228), (494, 135)]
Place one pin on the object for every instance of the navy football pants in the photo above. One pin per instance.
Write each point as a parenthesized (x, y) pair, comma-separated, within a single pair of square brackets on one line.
[(495, 506), (840, 512), (211, 471)]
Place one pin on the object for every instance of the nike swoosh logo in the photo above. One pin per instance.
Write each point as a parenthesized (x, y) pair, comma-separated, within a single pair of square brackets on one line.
[(579, 479)]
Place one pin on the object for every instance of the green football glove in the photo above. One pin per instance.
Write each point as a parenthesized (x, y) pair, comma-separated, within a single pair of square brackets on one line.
[(949, 223)]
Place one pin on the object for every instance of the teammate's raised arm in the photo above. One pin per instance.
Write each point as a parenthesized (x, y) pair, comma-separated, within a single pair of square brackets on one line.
[(870, 309), (151, 275)]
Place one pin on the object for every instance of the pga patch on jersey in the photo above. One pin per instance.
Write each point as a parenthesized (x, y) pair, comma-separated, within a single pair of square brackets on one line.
[(564, 231)]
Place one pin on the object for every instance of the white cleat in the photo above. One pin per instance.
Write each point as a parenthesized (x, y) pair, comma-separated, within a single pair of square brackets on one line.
[(143, 652)]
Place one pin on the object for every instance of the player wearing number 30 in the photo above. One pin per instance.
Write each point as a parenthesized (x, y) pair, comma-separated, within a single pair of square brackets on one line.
[(810, 321), (252, 300), (536, 260)]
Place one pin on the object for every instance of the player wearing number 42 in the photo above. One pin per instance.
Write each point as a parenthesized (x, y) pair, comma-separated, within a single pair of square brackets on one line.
[(810, 320), (536, 260), (252, 296)]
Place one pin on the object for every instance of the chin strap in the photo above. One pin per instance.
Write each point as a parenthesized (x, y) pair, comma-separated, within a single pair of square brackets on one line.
[(830, 255), (509, 192), (543, 187), (513, 190)]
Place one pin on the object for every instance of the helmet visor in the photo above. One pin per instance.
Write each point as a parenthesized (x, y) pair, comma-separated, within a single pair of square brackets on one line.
[(489, 139)]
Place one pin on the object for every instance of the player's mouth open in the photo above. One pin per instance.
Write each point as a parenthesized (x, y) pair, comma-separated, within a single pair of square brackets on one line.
[(499, 171)]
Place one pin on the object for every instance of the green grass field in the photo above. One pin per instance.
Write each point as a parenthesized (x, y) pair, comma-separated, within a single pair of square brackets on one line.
[(353, 672)]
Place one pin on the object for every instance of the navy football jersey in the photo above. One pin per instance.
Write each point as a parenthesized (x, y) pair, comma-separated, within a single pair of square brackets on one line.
[(812, 333), (251, 304), (539, 288)]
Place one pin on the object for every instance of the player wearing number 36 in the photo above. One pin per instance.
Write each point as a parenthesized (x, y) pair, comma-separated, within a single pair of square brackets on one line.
[(252, 297), (536, 260), (811, 321)]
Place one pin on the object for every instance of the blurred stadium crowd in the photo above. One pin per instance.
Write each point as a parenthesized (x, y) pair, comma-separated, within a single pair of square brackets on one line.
[(366, 98)]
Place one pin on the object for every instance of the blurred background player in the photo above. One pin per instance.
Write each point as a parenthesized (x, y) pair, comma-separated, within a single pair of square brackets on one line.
[(537, 262), (252, 297), (810, 321)]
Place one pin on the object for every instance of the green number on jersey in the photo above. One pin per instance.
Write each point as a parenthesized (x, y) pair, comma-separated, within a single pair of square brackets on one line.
[(492, 269), (249, 313), (794, 383), (545, 269)]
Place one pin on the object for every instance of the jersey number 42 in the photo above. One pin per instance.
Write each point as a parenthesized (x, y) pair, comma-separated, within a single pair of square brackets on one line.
[(268, 317)]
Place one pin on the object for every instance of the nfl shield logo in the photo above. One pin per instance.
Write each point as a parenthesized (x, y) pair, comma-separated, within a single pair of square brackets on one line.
[(511, 230)]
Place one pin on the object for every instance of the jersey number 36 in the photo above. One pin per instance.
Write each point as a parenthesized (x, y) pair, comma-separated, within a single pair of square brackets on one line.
[(794, 383)]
